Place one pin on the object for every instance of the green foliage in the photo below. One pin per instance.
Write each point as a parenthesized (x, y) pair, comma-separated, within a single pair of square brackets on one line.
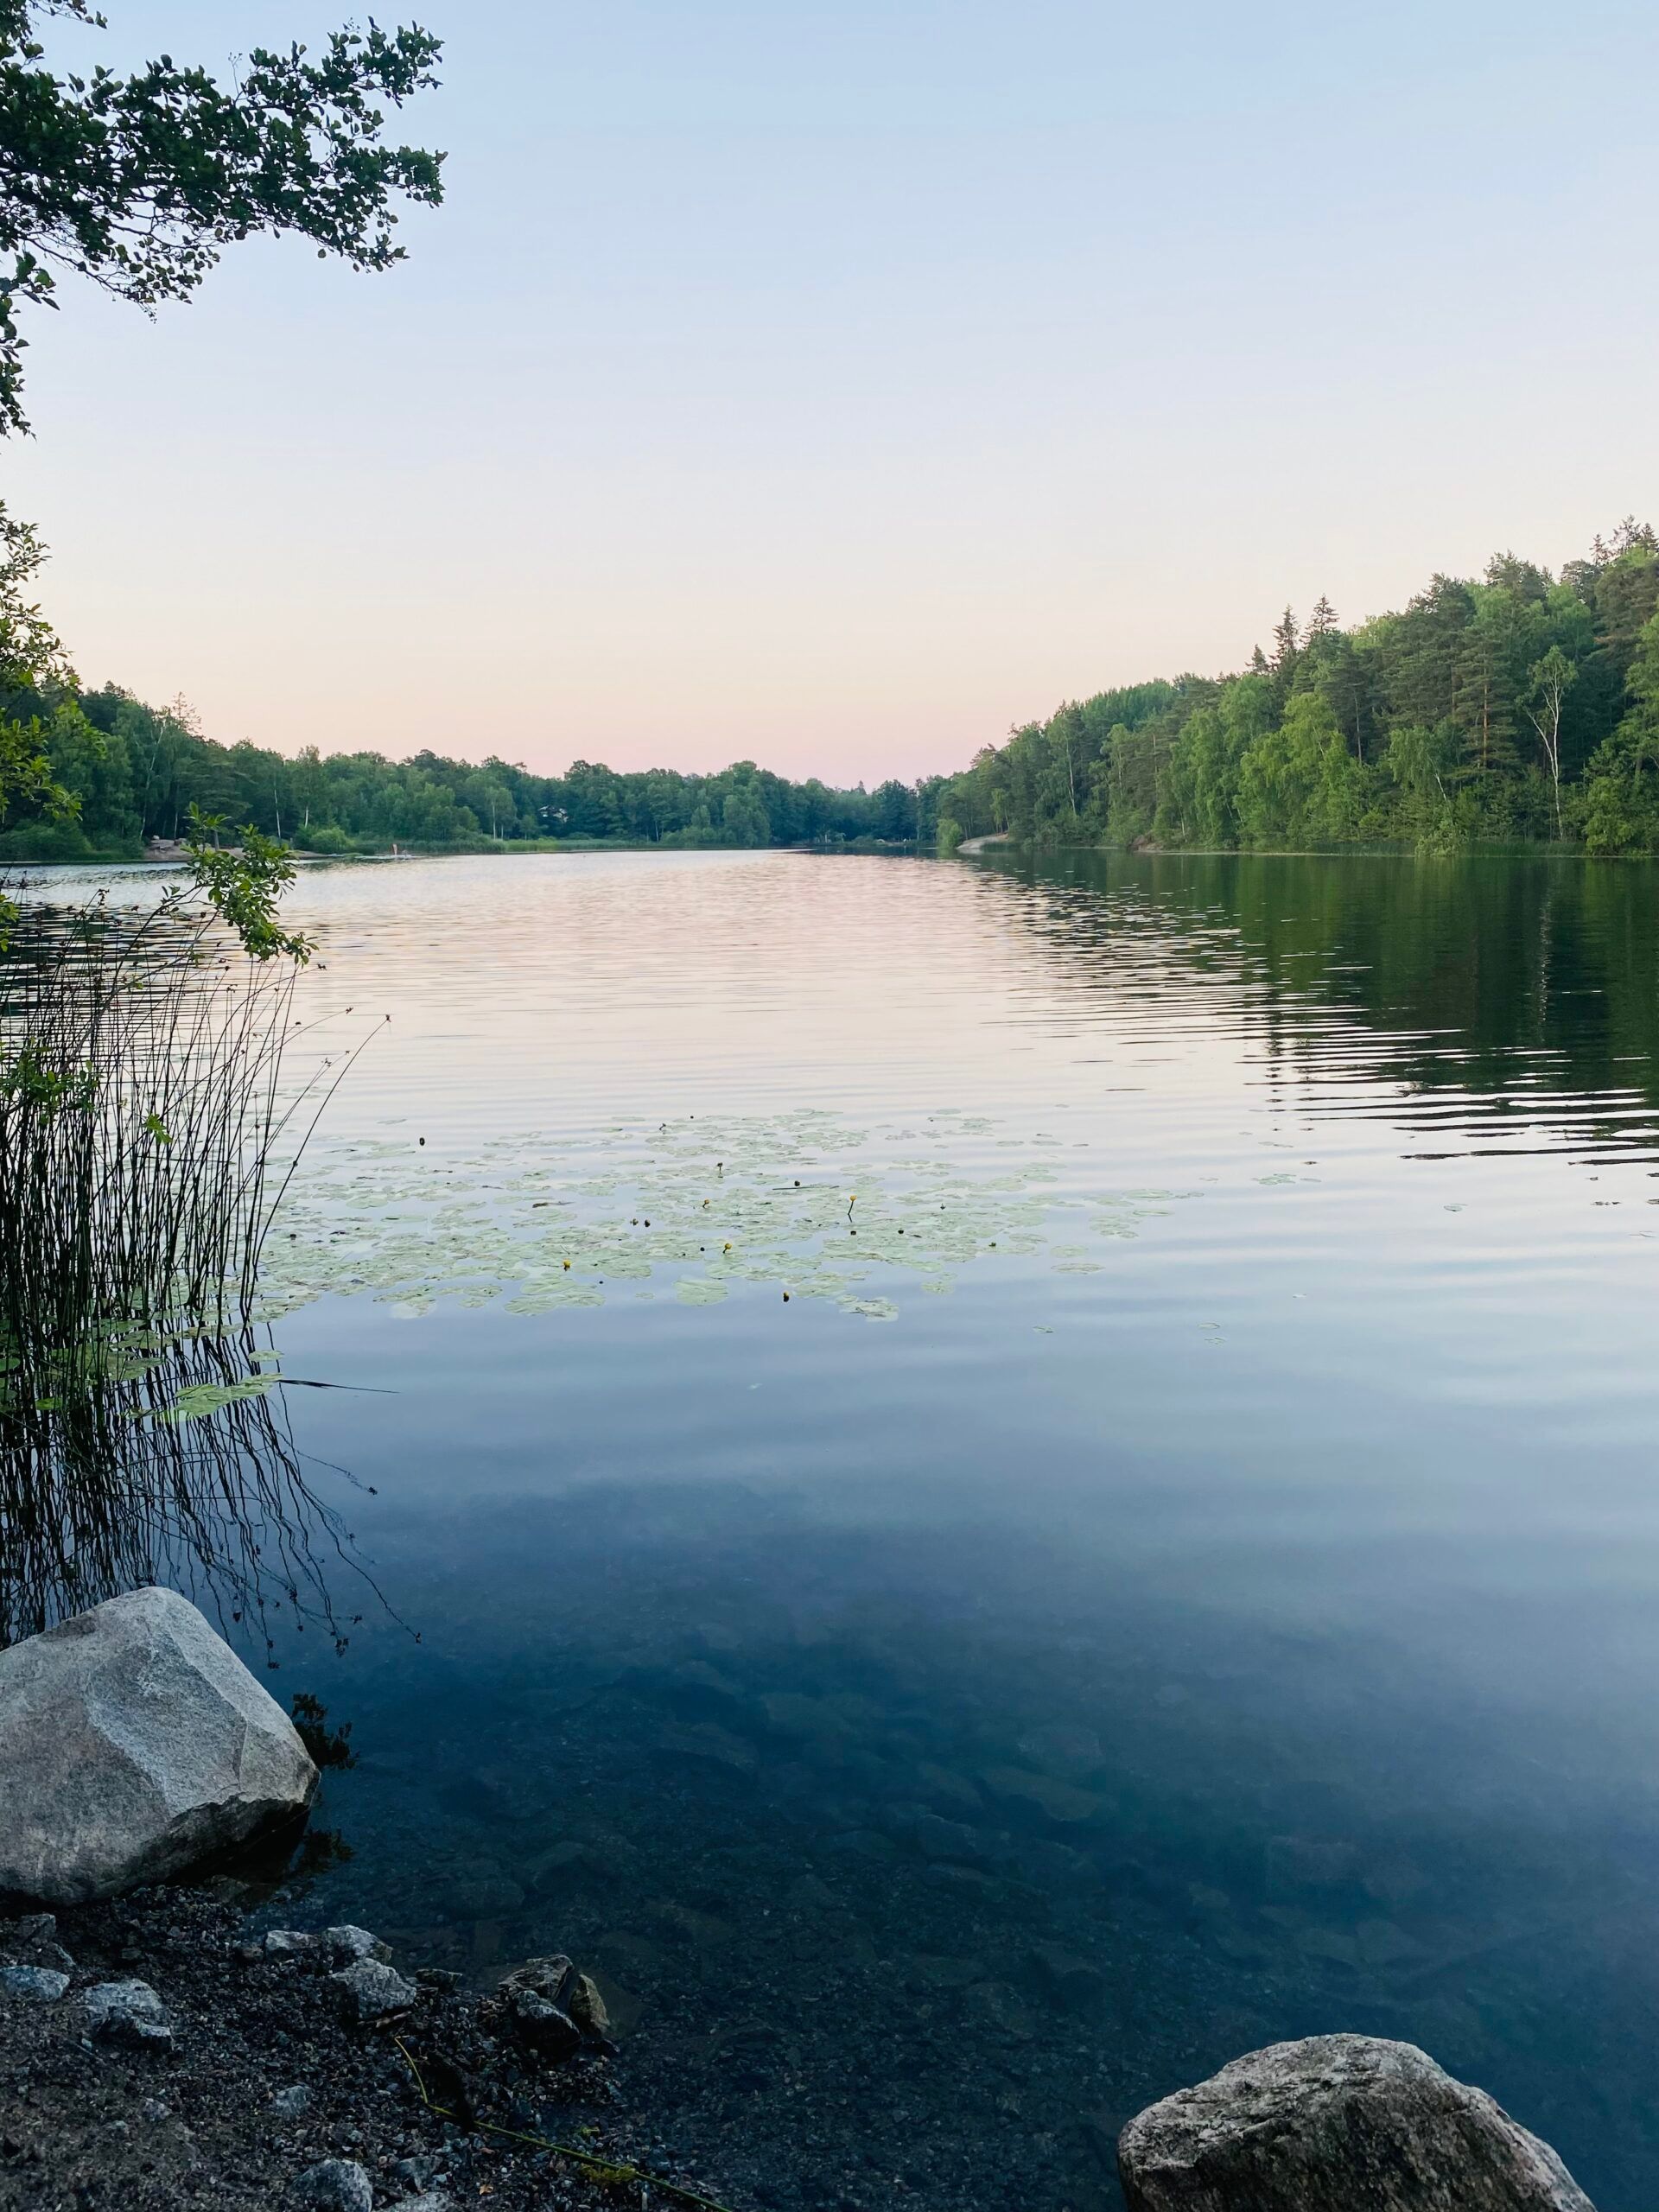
[(37, 714), (1618, 804), (139, 181), (243, 885), (132, 771), (1514, 705)]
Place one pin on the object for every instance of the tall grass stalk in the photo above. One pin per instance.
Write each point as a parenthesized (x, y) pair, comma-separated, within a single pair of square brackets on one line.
[(145, 1129), (147, 1134)]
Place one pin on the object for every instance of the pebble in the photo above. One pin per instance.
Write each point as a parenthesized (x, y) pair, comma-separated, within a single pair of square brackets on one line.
[(34, 1985), (335, 2185), (154, 2110), (293, 2100), (32, 1942)]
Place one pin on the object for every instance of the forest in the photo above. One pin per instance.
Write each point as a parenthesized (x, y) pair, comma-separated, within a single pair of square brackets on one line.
[(133, 773), (1521, 705)]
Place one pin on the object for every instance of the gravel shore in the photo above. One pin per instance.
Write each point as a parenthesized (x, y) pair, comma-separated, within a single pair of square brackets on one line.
[(268, 2077)]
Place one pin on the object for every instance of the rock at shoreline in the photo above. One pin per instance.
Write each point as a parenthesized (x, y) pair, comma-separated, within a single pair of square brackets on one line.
[(134, 1742), (34, 1985), (288, 1942), (335, 2185), (372, 1991), (1335, 2123), (553, 2008), (347, 1944), (128, 2012)]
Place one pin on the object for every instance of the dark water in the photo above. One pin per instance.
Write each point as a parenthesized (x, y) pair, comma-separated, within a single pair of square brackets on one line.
[(948, 1732)]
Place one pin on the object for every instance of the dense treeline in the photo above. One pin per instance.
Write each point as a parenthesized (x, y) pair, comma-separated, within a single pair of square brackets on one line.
[(1521, 706), (135, 772), (1524, 705)]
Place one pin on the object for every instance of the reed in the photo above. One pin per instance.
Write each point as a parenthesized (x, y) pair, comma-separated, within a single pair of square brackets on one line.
[(111, 1487), (147, 1133)]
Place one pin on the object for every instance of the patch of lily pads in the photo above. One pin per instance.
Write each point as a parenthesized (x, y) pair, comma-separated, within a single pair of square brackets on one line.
[(809, 1202)]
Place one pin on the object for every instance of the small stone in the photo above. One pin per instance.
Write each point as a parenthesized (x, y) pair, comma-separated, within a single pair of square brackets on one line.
[(947, 1842), (587, 2008), (34, 1985), (957, 1877), (335, 2185), (546, 2029), (1054, 1800), (566, 1864), (293, 2100), (705, 1739), (372, 1990), (1072, 1753), (155, 2110), (488, 1896), (128, 2012), (288, 1942), (546, 1976), (32, 1942), (431, 2200), (863, 1843), (347, 1944), (440, 1978), (945, 1788), (1074, 1984)]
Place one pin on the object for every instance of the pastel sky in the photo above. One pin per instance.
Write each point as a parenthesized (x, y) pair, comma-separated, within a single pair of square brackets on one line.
[(837, 384)]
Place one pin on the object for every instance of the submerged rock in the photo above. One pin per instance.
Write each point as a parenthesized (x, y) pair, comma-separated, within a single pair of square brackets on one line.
[(134, 1742), (553, 2008), (1337, 2124)]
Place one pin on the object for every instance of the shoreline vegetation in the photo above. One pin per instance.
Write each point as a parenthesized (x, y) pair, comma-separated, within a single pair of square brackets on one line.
[(1518, 708)]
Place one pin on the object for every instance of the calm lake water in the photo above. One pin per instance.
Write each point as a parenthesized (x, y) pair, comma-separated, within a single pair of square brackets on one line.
[(1200, 1590)]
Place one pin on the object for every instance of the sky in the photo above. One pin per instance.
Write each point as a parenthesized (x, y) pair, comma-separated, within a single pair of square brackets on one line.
[(838, 386)]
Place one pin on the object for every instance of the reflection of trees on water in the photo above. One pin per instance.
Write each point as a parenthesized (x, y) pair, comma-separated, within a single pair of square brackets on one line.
[(1509, 999), (111, 1486)]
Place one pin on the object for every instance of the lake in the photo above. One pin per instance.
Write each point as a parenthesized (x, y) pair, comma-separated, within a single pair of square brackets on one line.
[(989, 1482)]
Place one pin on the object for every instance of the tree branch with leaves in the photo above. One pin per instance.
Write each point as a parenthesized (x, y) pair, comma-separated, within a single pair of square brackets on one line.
[(138, 183)]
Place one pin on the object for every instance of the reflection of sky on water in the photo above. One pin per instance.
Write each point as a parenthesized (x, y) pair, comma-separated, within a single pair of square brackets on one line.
[(1003, 1715)]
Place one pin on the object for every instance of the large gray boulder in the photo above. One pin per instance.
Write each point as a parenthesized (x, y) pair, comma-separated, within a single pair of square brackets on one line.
[(1337, 2124), (134, 1742)]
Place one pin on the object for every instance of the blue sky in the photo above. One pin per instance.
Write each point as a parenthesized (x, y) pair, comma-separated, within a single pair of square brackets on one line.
[(838, 386)]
